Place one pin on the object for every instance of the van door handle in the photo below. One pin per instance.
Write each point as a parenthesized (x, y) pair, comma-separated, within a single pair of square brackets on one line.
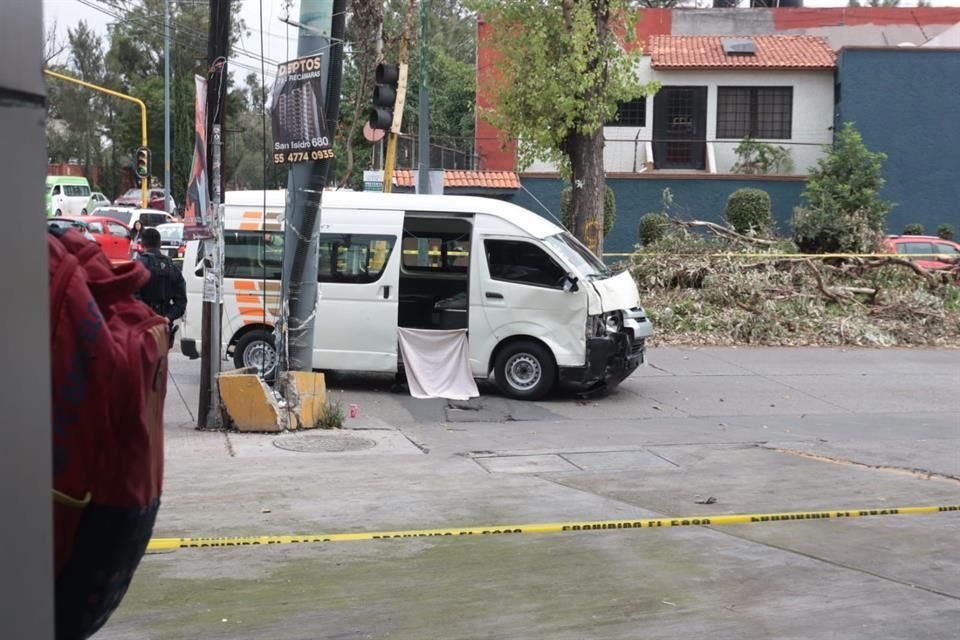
[(386, 292), (494, 296)]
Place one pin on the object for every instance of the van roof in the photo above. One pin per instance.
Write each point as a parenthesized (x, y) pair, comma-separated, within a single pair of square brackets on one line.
[(536, 225), (67, 180)]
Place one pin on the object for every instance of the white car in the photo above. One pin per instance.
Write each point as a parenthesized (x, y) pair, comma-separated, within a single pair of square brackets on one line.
[(97, 199)]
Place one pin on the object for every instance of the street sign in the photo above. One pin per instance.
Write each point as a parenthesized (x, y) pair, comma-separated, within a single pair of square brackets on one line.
[(297, 113)]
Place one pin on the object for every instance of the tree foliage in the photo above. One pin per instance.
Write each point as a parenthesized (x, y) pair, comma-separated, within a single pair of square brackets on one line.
[(842, 208), (562, 68)]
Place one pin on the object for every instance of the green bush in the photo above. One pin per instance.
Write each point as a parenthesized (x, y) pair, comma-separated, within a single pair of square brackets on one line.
[(842, 209), (761, 158), (824, 230), (749, 210), (912, 230), (945, 231), (653, 226), (609, 209)]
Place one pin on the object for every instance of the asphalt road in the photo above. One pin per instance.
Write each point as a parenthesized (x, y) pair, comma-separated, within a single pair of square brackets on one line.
[(703, 431)]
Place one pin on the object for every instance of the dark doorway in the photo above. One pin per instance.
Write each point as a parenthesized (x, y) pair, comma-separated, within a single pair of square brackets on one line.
[(680, 128)]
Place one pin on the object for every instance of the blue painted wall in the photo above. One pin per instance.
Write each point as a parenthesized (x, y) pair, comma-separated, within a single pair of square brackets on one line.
[(700, 198), (906, 103)]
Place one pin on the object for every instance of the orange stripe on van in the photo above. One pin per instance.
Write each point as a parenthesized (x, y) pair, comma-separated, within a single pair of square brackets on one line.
[(252, 215), (246, 298), (251, 311), (245, 285), (249, 226)]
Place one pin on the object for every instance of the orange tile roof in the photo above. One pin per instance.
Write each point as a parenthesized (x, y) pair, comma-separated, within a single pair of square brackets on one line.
[(453, 179), (774, 52)]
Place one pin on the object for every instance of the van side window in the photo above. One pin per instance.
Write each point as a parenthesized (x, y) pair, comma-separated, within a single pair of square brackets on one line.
[(251, 254), (56, 190), (353, 258), (522, 262), (447, 252)]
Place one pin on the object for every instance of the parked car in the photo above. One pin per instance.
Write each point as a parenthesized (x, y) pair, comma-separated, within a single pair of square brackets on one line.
[(155, 200), (97, 199), (112, 235), (171, 241), (64, 223), (931, 252), (128, 216)]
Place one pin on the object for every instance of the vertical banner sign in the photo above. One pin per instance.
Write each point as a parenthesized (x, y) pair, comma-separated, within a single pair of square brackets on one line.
[(196, 214), (297, 117)]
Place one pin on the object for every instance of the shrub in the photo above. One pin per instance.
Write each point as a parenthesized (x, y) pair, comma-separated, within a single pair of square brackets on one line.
[(842, 209), (333, 416), (945, 231), (609, 208), (761, 158), (653, 226), (823, 230), (749, 210), (912, 230), (848, 179)]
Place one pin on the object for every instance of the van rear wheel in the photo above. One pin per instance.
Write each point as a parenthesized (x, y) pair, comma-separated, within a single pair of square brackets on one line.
[(256, 349), (525, 370)]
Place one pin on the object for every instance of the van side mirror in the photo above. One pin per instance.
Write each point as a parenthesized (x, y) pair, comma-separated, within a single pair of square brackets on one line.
[(570, 283)]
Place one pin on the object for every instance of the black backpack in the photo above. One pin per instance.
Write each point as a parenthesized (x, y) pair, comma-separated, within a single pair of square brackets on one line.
[(158, 292)]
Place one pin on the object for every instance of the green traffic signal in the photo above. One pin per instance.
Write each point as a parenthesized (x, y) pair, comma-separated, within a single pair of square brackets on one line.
[(143, 162)]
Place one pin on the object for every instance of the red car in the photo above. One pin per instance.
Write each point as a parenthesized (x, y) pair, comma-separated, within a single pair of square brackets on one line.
[(112, 236), (931, 252), (155, 199)]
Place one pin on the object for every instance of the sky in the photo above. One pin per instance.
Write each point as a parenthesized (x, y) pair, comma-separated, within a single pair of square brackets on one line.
[(279, 39)]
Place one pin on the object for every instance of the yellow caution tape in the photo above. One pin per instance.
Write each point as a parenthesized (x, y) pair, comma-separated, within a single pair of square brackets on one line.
[(166, 544)]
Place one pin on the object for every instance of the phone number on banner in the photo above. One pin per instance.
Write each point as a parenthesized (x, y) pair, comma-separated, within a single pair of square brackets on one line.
[(291, 157)]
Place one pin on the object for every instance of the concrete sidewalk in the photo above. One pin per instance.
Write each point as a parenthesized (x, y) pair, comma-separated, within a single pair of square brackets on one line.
[(757, 430)]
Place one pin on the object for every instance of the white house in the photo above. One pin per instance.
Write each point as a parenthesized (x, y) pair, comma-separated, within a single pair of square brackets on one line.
[(715, 91)]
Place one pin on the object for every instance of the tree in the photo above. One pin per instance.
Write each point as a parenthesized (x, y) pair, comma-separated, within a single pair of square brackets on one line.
[(842, 207), (561, 72)]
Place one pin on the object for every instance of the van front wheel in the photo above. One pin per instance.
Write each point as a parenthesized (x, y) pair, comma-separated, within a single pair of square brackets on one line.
[(256, 349), (525, 370)]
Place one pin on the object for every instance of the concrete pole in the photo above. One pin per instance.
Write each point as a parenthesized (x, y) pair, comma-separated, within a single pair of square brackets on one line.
[(166, 104), (321, 31), (26, 558), (423, 120)]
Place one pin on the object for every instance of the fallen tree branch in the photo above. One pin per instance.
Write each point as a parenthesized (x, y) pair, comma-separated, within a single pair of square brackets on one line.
[(933, 281), (822, 287), (725, 232)]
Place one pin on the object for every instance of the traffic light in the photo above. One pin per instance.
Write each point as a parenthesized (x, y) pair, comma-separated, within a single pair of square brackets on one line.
[(387, 78), (389, 96), (142, 165)]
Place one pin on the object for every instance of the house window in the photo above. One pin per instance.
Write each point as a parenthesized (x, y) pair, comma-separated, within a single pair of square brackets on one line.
[(630, 114), (754, 112)]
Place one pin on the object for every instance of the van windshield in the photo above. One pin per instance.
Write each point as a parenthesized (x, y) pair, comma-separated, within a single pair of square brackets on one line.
[(576, 255)]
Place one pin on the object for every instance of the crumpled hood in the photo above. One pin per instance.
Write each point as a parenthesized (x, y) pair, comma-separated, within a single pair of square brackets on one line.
[(616, 293)]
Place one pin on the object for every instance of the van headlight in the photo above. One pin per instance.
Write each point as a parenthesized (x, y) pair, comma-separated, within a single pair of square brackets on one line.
[(613, 321)]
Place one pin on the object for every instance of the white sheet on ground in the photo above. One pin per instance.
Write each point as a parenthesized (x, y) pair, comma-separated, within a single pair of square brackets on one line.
[(437, 363)]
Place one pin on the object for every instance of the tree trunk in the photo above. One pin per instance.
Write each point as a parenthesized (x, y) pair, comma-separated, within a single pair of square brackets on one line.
[(586, 161)]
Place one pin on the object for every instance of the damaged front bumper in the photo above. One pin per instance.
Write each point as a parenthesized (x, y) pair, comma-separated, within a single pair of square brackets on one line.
[(616, 346)]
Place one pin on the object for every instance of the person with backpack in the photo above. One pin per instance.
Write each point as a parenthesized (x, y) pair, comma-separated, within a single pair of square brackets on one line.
[(166, 291)]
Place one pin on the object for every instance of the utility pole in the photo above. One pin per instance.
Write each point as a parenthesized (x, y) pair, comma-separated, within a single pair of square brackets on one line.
[(322, 25), (423, 121), (208, 414), (166, 105), (390, 158)]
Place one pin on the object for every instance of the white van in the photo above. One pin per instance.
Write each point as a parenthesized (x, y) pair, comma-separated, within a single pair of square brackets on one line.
[(67, 196), (538, 306)]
